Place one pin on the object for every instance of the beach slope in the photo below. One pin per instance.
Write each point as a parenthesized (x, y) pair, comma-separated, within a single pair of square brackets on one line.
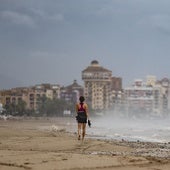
[(26, 145)]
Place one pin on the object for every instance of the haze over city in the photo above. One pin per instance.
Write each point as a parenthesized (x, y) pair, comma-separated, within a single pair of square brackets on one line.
[(53, 41)]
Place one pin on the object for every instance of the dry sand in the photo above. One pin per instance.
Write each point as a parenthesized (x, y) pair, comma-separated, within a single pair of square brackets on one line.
[(44, 145)]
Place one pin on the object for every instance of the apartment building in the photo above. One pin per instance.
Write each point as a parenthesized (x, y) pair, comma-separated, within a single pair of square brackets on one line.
[(116, 93), (99, 85), (11, 96), (150, 97), (71, 92), (30, 95), (165, 87), (139, 98), (169, 99)]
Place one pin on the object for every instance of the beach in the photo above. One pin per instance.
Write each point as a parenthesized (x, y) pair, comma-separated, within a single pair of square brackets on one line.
[(46, 144)]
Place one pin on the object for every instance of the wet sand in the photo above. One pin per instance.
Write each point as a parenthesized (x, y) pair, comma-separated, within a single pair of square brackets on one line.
[(45, 144)]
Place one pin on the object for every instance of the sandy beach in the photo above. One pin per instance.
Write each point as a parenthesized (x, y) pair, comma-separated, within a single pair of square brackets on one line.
[(45, 144)]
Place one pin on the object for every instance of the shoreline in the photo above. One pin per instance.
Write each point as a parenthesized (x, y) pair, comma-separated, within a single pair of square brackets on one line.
[(46, 144)]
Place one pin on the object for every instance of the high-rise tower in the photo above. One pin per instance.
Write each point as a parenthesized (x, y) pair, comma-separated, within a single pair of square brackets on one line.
[(97, 85)]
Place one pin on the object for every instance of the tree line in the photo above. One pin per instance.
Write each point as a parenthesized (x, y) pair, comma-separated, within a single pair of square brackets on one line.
[(45, 107)]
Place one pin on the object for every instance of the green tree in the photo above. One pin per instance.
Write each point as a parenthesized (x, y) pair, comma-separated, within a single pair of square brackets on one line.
[(21, 107), (14, 109), (54, 107), (42, 105)]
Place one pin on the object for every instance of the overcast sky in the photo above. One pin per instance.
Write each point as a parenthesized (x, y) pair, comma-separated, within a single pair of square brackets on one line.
[(52, 41)]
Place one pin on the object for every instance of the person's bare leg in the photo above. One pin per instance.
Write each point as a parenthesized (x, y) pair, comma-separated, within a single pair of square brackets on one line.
[(83, 130), (79, 131)]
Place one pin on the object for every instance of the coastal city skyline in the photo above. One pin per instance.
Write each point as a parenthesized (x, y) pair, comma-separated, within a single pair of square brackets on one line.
[(53, 41), (102, 90)]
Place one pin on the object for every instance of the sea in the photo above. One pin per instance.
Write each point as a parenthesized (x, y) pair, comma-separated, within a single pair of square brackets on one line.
[(130, 129), (109, 127)]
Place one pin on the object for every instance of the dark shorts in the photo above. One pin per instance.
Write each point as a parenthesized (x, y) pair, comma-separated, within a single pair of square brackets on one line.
[(82, 118)]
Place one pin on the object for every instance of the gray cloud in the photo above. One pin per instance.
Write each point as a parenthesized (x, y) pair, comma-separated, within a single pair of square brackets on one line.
[(46, 16), (17, 18), (159, 22), (162, 22), (53, 41)]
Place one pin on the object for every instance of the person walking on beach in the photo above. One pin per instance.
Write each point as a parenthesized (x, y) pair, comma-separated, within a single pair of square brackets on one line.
[(82, 117)]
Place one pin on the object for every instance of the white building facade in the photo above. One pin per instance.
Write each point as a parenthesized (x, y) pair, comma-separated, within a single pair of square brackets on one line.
[(149, 98), (97, 86)]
